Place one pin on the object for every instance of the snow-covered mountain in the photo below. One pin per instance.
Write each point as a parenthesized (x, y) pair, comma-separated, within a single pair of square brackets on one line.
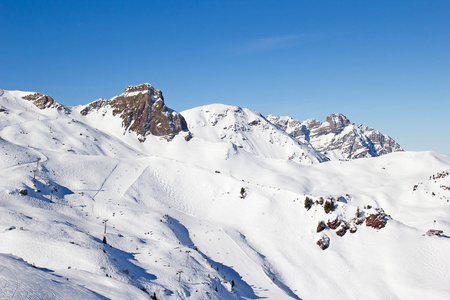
[(248, 130), (217, 213), (337, 137)]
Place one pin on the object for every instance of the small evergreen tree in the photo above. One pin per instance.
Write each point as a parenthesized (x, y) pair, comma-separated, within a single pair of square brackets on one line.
[(329, 206), (308, 203)]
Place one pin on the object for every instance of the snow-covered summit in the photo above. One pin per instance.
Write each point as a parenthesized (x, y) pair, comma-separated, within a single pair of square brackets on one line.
[(337, 137), (248, 130), (144, 88), (28, 101)]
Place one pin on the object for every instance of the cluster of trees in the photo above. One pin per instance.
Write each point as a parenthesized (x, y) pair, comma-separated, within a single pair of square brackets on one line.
[(328, 206)]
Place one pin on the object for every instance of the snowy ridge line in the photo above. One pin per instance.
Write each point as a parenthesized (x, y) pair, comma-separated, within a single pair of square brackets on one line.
[(1, 92)]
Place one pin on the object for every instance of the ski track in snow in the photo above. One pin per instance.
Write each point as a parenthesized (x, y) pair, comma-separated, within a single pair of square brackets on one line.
[(43, 158), (8, 288), (101, 188), (29, 121)]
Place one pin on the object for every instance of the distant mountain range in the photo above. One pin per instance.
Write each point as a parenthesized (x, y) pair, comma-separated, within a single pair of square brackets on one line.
[(143, 111), (337, 137)]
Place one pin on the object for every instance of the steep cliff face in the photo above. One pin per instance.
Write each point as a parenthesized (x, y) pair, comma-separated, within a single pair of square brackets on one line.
[(337, 137), (143, 111), (337, 122)]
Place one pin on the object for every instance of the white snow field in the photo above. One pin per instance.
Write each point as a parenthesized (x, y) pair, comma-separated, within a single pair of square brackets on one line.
[(221, 216)]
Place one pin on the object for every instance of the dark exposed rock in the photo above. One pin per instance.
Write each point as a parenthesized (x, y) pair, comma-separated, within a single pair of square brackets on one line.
[(334, 224), (377, 220), (42, 101), (143, 111), (324, 242), (439, 175), (254, 123), (337, 122), (342, 230), (188, 137), (96, 105), (321, 226)]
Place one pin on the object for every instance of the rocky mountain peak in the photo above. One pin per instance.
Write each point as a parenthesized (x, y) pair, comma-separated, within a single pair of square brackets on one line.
[(143, 111), (42, 101), (337, 137), (337, 122), (144, 88)]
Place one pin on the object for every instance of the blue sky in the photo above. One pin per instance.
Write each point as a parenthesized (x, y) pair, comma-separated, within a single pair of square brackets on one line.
[(385, 64)]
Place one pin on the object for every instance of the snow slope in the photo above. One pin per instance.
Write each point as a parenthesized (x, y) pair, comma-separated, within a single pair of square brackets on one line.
[(178, 226)]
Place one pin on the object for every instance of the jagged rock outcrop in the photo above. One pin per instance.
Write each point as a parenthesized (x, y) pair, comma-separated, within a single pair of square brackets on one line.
[(334, 224), (337, 137), (321, 226), (143, 111), (342, 230), (43, 101), (324, 242), (337, 122), (377, 220)]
